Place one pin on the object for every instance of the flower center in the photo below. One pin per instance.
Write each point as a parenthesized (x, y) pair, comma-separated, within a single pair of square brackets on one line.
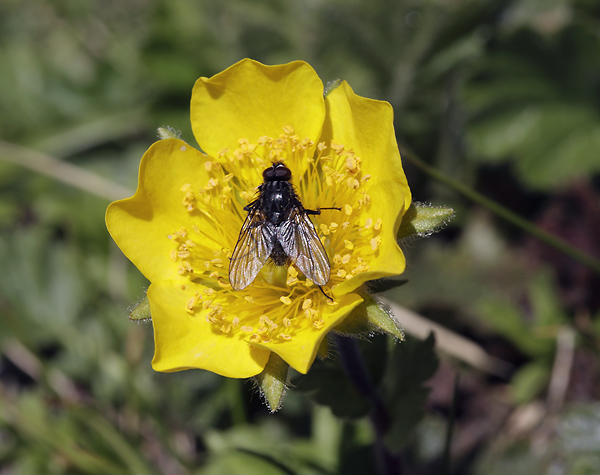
[(281, 301)]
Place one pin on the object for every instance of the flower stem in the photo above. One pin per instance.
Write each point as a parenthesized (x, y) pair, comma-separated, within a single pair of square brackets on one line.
[(63, 171), (547, 238), (355, 368)]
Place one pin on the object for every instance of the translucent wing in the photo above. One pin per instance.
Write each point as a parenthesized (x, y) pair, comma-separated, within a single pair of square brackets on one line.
[(252, 249), (301, 243)]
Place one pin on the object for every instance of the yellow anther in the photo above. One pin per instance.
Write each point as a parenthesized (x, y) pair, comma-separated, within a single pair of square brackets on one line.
[(368, 223), (287, 322), (324, 229), (346, 258), (341, 273), (310, 313), (378, 223), (318, 324), (348, 244), (285, 336), (286, 300), (292, 272), (351, 163), (352, 183), (247, 329), (173, 255), (191, 304), (208, 165), (226, 328), (365, 178), (235, 321), (206, 304), (321, 146), (348, 209), (307, 303), (375, 242), (185, 267), (209, 291), (337, 259), (288, 130), (212, 183), (249, 298), (186, 187), (333, 227)]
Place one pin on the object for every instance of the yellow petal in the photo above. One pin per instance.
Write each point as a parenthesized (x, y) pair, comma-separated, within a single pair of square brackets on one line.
[(250, 100), (366, 126), (141, 225), (184, 340), (301, 349)]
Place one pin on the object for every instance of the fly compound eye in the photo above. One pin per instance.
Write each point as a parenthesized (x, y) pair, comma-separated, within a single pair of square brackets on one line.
[(269, 174), (277, 172), (283, 173)]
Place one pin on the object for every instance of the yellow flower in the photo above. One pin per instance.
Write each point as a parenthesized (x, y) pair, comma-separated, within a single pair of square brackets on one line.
[(183, 222)]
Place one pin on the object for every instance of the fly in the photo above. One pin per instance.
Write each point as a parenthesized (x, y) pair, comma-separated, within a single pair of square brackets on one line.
[(278, 228)]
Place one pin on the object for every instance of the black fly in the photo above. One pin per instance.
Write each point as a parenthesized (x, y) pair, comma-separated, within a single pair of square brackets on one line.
[(278, 228)]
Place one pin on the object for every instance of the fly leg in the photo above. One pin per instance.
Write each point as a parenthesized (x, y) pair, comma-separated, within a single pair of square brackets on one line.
[(323, 292), (318, 211)]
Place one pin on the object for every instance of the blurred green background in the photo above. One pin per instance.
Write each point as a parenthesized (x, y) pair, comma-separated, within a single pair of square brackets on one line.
[(503, 97)]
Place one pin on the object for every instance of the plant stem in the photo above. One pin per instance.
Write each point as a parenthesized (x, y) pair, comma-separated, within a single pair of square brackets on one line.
[(355, 368), (547, 238)]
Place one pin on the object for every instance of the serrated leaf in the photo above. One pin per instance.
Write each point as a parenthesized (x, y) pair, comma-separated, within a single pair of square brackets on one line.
[(329, 386), (412, 363)]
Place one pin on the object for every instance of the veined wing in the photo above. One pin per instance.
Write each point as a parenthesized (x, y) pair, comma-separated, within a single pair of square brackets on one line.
[(300, 241), (252, 250)]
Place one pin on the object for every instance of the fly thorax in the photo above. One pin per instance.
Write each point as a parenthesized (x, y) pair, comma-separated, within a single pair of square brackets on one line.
[(277, 197)]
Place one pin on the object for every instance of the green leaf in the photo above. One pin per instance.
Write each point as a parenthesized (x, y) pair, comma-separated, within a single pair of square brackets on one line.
[(140, 312), (528, 382), (273, 381), (329, 386), (330, 86), (423, 220), (370, 316), (166, 132)]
